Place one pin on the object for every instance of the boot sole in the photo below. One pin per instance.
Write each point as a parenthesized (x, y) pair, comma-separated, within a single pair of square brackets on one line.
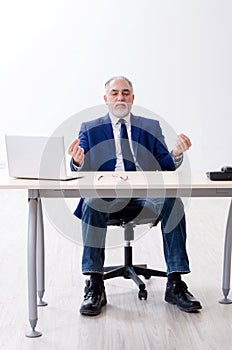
[(93, 313), (190, 309)]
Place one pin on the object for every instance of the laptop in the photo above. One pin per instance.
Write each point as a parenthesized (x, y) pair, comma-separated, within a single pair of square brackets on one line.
[(37, 157)]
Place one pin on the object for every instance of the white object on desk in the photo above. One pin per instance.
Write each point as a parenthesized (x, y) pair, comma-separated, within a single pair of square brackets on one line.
[(37, 157)]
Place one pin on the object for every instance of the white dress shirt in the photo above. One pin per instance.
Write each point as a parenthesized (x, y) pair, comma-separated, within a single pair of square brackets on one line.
[(116, 131)]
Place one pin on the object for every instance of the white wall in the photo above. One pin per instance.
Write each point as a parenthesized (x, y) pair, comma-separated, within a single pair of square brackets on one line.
[(56, 55)]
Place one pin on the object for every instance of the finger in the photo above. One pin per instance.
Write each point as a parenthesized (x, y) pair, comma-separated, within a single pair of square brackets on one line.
[(81, 155), (183, 146), (73, 144), (78, 154), (76, 149), (185, 139)]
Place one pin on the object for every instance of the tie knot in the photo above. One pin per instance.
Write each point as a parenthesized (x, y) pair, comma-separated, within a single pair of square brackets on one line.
[(122, 121)]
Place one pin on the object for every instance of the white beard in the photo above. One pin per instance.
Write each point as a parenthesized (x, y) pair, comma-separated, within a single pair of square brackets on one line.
[(120, 112)]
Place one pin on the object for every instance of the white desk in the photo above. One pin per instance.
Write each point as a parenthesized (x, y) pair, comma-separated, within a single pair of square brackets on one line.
[(99, 184)]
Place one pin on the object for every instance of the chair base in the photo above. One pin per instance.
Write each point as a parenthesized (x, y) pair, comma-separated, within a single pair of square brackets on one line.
[(132, 272), (128, 218)]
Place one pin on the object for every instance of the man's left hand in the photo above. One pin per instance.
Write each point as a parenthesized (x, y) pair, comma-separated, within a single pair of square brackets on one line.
[(183, 143)]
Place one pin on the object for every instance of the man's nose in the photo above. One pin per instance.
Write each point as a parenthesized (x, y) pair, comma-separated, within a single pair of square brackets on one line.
[(120, 97)]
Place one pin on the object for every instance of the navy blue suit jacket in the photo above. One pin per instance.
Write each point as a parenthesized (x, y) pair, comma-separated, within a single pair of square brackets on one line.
[(149, 147)]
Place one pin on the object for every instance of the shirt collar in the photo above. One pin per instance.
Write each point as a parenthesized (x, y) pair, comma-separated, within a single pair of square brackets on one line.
[(114, 120)]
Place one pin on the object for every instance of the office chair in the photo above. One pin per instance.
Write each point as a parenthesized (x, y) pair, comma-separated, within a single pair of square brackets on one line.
[(128, 218)]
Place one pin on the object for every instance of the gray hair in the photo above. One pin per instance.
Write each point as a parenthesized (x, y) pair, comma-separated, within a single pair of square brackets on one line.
[(119, 77)]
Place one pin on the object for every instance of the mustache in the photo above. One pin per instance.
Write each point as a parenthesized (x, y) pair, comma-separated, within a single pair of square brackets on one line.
[(120, 104)]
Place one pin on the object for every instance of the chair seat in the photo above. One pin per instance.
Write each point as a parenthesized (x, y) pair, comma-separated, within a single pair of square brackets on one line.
[(135, 214)]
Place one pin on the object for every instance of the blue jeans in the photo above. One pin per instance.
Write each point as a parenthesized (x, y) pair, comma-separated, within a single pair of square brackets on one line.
[(95, 213)]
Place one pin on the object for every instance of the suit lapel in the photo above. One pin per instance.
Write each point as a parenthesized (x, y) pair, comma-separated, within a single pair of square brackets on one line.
[(107, 134), (107, 127), (135, 132)]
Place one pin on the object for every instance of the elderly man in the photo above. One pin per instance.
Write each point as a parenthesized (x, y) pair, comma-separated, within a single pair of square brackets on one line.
[(121, 141)]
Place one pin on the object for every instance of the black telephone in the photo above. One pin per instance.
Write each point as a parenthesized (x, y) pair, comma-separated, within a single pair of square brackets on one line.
[(224, 175), (226, 169)]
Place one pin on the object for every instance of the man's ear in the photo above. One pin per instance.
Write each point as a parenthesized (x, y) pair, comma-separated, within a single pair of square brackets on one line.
[(105, 98)]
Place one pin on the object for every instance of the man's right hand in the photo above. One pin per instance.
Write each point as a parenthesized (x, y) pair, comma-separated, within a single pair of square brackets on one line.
[(76, 152)]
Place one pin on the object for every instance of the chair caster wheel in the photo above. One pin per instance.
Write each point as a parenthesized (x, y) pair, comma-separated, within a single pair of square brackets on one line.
[(142, 294), (147, 277), (87, 284)]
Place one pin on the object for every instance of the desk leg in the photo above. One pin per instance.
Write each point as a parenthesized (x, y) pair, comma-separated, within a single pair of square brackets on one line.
[(227, 259), (31, 262), (40, 254)]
